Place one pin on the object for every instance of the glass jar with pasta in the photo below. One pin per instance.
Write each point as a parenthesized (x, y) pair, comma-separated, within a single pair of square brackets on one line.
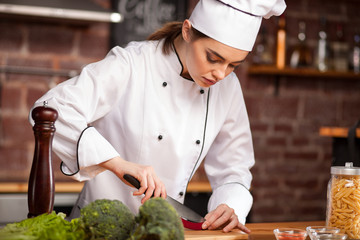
[(343, 200)]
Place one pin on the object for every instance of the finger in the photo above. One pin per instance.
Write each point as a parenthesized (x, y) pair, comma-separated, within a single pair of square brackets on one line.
[(223, 214), (221, 220), (158, 189), (232, 223), (163, 192), (207, 221), (211, 217), (150, 189), (143, 186), (243, 228)]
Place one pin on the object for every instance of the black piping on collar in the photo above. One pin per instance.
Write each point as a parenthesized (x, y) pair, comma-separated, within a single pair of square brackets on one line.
[(77, 155), (182, 67)]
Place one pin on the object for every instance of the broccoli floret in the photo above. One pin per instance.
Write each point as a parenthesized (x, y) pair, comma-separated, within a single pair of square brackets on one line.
[(107, 219), (158, 220)]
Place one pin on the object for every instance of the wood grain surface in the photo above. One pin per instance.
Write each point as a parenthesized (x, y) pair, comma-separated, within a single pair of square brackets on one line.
[(259, 231)]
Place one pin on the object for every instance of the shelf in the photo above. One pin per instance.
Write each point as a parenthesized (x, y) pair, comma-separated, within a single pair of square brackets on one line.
[(199, 187), (75, 187), (305, 72), (20, 187), (336, 132)]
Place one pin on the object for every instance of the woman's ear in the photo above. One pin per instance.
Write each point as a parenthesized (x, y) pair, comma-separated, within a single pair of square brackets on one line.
[(186, 30)]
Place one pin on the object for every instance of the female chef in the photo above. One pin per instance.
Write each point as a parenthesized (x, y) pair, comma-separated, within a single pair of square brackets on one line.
[(157, 108)]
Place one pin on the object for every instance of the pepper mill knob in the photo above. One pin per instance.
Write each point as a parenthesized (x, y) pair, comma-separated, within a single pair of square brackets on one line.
[(44, 115), (41, 189)]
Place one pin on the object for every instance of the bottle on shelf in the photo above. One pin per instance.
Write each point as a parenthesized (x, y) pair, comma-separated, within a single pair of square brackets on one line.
[(262, 51), (340, 49), (301, 55), (355, 54), (323, 52), (281, 43)]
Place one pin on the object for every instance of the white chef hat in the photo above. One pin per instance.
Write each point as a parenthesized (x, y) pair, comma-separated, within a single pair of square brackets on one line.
[(235, 23)]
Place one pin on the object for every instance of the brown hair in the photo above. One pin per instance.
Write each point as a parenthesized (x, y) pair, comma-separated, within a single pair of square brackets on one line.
[(169, 32)]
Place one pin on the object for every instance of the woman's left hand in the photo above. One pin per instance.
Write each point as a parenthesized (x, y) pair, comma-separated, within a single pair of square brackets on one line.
[(223, 217)]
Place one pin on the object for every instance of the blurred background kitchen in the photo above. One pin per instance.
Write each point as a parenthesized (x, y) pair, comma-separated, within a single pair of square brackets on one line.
[(301, 80)]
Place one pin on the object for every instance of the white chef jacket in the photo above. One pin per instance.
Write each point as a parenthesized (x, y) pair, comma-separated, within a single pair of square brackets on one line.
[(134, 104)]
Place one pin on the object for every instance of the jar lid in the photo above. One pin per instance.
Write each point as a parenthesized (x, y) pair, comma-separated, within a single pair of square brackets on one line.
[(348, 169)]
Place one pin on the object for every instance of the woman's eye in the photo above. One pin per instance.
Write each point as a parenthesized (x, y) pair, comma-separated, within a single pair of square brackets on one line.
[(210, 59)]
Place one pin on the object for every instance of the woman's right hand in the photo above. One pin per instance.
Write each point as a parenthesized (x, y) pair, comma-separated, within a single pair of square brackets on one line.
[(150, 184)]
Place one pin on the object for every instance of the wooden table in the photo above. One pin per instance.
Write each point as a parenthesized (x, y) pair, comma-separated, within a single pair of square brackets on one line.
[(259, 231)]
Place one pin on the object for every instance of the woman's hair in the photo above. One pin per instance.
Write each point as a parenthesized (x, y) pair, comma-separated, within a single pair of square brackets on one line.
[(169, 32)]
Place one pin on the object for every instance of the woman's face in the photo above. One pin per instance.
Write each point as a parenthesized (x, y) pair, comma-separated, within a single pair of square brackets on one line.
[(209, 61)]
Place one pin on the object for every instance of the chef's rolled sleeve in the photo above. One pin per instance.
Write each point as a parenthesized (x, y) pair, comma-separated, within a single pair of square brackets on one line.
[(234, 195), (92, 149)]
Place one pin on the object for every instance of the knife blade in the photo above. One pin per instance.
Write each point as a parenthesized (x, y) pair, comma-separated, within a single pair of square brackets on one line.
[(189, 218)]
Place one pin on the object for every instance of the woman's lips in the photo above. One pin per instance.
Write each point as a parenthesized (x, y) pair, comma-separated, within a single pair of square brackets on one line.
[(209, 81)]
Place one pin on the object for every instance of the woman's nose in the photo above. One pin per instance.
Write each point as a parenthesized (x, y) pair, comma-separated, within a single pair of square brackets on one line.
[(219, 73)]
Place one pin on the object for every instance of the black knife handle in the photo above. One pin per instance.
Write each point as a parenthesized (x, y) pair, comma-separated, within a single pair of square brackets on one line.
[(133, 181)]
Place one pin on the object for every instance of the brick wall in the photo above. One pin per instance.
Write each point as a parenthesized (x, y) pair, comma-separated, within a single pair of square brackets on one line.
[(292, 160), (29, 42)]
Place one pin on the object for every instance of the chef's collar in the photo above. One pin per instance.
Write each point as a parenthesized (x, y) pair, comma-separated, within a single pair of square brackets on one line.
[(182, 67), (235, 23)]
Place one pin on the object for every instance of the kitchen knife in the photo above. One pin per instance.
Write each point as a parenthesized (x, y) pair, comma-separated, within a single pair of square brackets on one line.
[(189, 218)]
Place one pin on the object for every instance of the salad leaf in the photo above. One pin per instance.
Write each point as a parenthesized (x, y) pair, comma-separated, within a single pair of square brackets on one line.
[(46, 226)]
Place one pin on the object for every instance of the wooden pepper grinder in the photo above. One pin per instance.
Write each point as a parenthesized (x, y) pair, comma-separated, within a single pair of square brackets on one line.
[(41, 189)]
